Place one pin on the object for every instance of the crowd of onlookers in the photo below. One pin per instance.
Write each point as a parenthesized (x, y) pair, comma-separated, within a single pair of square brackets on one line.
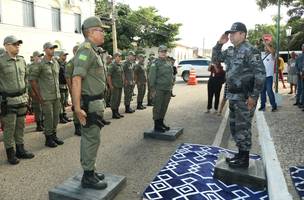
[(295, 78)]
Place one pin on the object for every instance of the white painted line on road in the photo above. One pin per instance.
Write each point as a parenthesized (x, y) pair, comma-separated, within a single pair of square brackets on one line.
[(220, 132), (277, 188)]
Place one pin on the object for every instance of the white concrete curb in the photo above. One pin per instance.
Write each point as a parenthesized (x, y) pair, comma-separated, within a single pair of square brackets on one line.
[(277, 188), (220, 132)]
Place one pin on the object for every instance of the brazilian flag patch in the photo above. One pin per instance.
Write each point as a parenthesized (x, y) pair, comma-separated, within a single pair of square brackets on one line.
[(83, 57)]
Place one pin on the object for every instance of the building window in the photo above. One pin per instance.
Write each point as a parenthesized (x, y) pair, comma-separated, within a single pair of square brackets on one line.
[(56, 23), (77, 23), (28, 13)]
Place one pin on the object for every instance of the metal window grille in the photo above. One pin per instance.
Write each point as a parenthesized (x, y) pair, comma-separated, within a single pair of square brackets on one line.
[(28, 13), (56, 23)]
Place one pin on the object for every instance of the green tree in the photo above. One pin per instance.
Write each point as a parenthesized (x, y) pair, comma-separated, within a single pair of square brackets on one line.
[(296, 22), (137, 28)]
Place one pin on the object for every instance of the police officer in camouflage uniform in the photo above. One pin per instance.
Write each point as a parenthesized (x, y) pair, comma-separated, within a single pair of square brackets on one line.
[(129, 80), (14, 98), (115, 82), (245, 76), (89, 85), (161, 82), (149, 95), (37, 109), (140, 78), (45, 84), (64, 93), (68, 76)]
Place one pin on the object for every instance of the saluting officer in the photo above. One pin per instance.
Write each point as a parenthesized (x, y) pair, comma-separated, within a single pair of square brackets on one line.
[(89, 85), (140, 78), (44, 78), (161, 82), (14, 99), (245, 76)]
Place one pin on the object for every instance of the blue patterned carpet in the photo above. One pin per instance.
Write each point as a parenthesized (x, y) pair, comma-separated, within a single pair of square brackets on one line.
[(297, 176), (189, 175)]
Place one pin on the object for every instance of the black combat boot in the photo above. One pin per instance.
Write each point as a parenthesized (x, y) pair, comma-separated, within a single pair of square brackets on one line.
[(77, 129), (139, 106), (11, 156), (241, 162), (62, 120), (167, 128), (229, 159), (89, 180), (100, 176), (120, 115), (115, 114), (65, 117), (56, 139), (158, 127), (149, 103), (129, 110), (22, 153), (49, 142), (39, 126), (105, 122)]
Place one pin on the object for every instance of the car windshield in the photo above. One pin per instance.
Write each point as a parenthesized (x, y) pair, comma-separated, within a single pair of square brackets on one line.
[(194, 62)]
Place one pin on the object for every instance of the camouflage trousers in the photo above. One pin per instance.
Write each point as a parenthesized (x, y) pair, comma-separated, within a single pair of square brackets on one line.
[(14, 124), (141, 88), (161, 103), (240, 123), (128, 92)]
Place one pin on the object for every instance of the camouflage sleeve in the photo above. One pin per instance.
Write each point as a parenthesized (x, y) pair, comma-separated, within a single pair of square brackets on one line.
[(217, 54), (82, 62), (152, 75), (258, 67), (110, 69), (69, 69), (34, 72)]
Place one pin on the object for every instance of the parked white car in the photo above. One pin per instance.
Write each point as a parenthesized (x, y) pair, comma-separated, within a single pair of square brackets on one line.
[(200, 65)]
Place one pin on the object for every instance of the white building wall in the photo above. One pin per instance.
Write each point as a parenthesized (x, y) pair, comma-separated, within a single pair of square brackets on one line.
[(34, 37)]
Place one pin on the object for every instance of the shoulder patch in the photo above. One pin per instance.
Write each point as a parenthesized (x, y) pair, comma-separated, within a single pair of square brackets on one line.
[(87, 45), (83, 57)]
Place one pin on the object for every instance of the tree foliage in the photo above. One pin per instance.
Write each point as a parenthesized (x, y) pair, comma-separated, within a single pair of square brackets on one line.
[(139, 28), (296, 11)]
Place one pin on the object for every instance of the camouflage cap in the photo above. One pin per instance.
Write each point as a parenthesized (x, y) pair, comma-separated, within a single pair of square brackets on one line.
[(63, 53), (49, 45), (116, 54), (92, 22), (131, 53), (37, 53), (141, 56), (236, 27), (11, 39), (162, 48), (151, 54)]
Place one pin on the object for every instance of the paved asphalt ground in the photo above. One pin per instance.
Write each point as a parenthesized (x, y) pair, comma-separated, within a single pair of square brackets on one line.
[(123, 150)]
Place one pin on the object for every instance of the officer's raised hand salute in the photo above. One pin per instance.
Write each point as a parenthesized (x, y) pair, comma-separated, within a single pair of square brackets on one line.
[(245, 76)]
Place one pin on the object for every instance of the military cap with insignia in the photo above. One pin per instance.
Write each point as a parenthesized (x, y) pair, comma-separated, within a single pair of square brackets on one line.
[(11, 39), (162, 48), (92, 22)]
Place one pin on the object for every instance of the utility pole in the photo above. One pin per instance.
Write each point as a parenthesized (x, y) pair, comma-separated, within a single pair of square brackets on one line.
[(278, 48), (114, 35)]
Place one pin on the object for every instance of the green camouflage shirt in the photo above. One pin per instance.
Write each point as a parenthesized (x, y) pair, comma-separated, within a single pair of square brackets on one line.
[(116, 72), (46, 73), (140, 71), (161, 75), (13, 77)]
